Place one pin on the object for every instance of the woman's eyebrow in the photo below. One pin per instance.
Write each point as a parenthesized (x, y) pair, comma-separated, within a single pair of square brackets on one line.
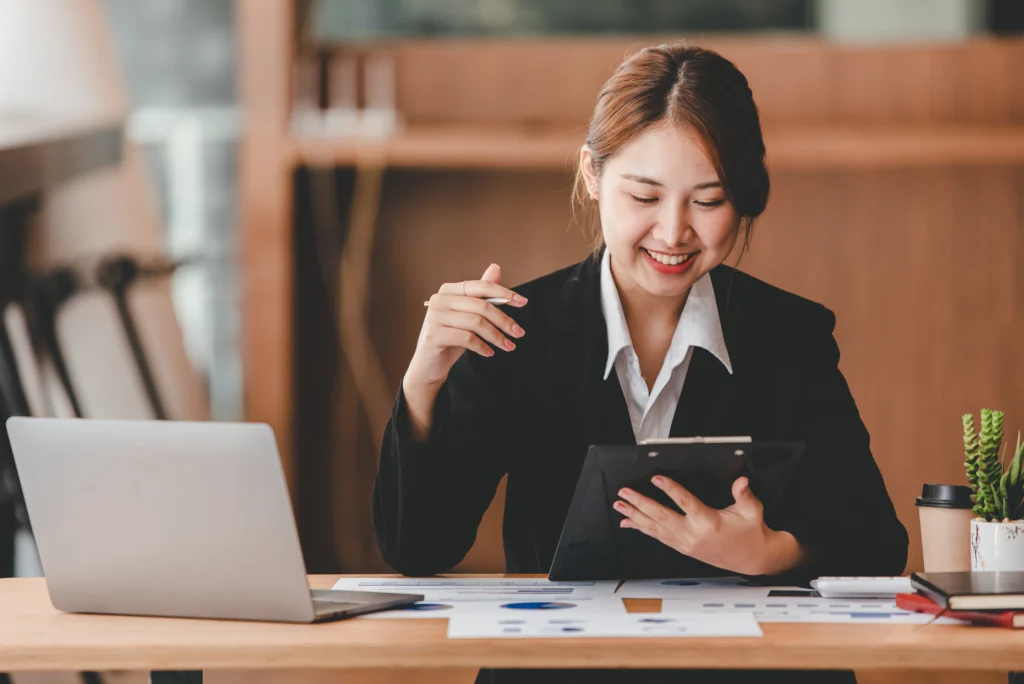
[(650, 181), (641, 179)]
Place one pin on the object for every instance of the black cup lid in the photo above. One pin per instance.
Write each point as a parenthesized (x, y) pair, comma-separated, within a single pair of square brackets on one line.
[(945, 496)]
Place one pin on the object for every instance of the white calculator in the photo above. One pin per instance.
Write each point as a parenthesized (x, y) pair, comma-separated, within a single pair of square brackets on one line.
[(861, 587)]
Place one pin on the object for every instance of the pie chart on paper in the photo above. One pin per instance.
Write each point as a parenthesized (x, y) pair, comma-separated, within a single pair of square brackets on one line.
[(539, 605), (423, 606)]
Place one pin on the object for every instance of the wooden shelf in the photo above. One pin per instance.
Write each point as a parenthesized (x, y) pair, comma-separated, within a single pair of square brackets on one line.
[(37, 153), (448, 147), (789, 148), (906, 146)]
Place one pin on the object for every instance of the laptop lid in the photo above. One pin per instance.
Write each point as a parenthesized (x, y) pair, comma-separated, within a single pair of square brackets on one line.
[(162, 518)]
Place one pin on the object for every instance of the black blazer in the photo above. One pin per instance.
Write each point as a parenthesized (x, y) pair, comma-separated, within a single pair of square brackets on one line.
[(533, 413)]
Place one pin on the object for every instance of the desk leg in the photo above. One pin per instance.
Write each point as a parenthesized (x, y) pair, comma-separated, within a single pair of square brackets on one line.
[(176, 677)]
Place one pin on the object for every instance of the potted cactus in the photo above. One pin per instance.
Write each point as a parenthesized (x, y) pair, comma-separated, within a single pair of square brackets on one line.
[(997, 531)]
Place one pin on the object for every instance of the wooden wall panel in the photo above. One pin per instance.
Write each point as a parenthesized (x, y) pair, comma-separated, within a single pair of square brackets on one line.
[(556, 82)]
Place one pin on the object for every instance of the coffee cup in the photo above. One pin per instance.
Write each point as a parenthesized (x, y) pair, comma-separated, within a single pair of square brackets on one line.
[(945, 512)]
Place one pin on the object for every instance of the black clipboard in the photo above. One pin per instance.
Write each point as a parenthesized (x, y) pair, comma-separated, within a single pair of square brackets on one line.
[(593, 546)]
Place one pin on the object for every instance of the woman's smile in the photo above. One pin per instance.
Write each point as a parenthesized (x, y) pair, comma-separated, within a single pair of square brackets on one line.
[(669, 263)]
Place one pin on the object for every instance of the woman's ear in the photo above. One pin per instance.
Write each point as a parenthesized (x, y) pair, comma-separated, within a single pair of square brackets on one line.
[(587, 168)]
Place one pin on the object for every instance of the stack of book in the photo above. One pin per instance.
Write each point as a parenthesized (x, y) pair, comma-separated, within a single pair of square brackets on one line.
[(983, 598)]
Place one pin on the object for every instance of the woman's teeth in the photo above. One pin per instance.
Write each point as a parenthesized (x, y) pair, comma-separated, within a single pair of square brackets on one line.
[(666, 259)]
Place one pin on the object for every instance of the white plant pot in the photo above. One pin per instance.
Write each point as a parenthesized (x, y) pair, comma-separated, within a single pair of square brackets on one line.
[(997, 546)]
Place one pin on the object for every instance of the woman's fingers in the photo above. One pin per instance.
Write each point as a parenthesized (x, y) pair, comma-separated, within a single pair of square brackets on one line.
[(747, 503), (687, 502), (492, 274), (638, 520), (458, 318), (479, 308), (477, 324), (458, 337), (480, 289), (649, 507)]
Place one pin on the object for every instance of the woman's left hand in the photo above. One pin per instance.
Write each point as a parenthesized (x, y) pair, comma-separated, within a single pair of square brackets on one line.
[(734, 538)]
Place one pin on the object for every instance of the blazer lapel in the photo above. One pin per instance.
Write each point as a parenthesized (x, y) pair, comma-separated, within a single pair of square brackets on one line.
[(707, 404), (597, 404), (605, 408)]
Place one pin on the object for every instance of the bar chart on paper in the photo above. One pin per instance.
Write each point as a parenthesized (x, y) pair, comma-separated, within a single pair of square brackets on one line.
[(783, 608), (624, 625)]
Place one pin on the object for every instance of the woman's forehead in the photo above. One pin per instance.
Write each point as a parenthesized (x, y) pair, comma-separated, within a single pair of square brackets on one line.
[(669, 154)]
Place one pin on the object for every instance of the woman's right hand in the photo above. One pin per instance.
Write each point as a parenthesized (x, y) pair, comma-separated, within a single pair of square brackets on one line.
[(457, 319)]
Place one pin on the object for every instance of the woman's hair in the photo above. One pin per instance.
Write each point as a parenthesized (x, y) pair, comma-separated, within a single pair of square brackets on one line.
[(691, 87)]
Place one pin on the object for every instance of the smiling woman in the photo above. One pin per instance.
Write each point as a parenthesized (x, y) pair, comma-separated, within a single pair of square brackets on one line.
[(652, 336)]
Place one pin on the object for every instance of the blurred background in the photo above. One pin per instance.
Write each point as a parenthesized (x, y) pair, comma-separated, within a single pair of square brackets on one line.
[(233, 209)]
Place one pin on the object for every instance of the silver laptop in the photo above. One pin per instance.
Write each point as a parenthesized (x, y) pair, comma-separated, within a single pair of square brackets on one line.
[(171, 519)]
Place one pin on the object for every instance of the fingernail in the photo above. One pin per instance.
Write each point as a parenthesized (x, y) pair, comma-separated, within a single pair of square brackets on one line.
[(619, 506), (519, 299), (625, 493), (490, 352), (658, 480), (510, 345), (517, 331), (625, 523)]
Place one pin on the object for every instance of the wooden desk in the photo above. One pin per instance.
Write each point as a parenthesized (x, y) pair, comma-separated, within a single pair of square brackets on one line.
[(35, 636)]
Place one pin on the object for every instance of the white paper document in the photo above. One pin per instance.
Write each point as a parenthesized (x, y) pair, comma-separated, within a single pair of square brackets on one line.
[(697, 587), (625, 625), (439, 608), (480, 588), (801, 609), (444, 597)]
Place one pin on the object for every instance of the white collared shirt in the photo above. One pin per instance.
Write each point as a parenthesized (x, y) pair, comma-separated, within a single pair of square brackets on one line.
[(651, 412)]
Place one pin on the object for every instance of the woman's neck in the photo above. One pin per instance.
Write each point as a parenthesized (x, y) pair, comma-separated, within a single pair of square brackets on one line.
[(644, 311)]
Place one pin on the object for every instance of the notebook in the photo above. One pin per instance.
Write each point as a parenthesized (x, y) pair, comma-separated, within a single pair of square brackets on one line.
[(922, 604), (972, 590)]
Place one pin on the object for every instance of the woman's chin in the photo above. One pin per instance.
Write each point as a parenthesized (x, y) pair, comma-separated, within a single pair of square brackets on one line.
[(666, 289), (666, 285)]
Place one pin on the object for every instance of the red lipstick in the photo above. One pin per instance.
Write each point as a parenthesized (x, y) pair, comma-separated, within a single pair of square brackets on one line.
[(674, 269)]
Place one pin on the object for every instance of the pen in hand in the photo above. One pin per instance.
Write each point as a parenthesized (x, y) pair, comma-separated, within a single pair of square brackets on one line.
[(490, 300)]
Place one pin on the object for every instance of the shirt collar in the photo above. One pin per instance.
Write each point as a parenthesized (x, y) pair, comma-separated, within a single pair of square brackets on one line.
[(699, 324)]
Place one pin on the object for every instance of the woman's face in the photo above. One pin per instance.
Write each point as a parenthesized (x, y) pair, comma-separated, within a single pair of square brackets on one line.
[(665, 218)]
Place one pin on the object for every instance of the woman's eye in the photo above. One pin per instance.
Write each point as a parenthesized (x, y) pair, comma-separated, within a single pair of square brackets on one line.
[(712, 203), (644, 200)]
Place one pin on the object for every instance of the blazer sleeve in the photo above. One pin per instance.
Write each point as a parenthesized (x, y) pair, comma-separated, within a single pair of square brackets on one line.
[(837, 505), (428, 498)]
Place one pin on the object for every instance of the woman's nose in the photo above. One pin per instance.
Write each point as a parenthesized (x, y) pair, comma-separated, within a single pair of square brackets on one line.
[(675, 227)]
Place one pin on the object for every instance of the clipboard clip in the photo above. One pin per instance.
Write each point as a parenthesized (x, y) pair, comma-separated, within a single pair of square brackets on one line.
[(699, 440)]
